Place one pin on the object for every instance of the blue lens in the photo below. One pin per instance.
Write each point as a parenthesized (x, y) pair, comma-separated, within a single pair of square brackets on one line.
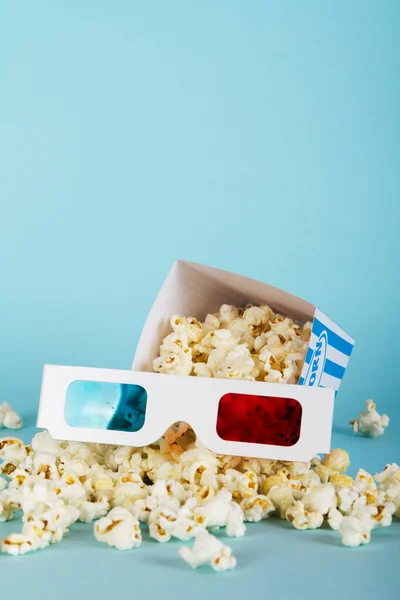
[(104, 405)]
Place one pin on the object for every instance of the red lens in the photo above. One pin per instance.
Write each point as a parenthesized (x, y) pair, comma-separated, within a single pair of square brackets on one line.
[(259, 419)]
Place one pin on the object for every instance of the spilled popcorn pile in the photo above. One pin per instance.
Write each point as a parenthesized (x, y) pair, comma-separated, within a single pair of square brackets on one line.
[(177, 487), (181, 494)]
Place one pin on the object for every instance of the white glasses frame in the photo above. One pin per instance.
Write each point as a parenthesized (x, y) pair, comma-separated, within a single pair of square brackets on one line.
[(194, 400)]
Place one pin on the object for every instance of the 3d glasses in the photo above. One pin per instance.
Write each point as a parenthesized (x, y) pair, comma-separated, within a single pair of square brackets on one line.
[(242, 418)]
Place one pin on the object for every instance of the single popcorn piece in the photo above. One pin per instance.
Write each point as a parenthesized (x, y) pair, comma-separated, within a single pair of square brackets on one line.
[(237, 364), (119, 529), (227, 313), (389, 477), (9, 418), (340, 480), (37, 532), (91, 511), (322, 472), (17, 544), (302, 483), (303, 519), (179, 363), (389, 482), (370, 422), (6, 506), (272, 481), (221, 512), (321, 498), (346, 497), (247, 484), (356, 528), (335, 518), (189, 327), (209, 550), (256, 508), (337, 461), (161, 521), (185, 529), (383, 513), (282, 498), (364, 481)]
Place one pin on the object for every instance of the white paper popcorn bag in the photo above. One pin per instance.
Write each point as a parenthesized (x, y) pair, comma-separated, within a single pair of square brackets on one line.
[(195, 290), (289, 422)]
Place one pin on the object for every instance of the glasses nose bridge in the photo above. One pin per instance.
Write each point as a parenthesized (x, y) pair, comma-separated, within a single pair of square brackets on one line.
[(176, 404)]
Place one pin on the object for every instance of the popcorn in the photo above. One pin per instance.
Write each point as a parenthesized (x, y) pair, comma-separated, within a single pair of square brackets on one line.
[(389, 481), (9, 418), (322, 472), (202, 370), (247, 484), (340, 480), (227, 313), (119, 529), (13, 452), (282, 498), (190, 327), (389, 477), (337, 461), (221, 512), (300, 484), (346, 498), (43, 442), (208, 549), (178, 486), (91, 511), (356, 528), (237, 364), (303, 519), (45, 463), (178, 363), (364, 481), (370, 422), (272, 481), (6, 510), (16, 544), (256, 508), (211, 323), (383, 514), (126, 494), (37, 533), (185, 529), (197, 460), (321, 499), (256, 316), (161, 522), (193, 490), (335, 518), (396, 502)]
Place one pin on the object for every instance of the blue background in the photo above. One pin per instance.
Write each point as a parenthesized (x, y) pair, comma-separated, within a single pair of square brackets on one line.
[(259, 137)]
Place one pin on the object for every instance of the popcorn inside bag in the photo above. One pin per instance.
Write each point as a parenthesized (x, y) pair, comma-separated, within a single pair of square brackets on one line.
[(251, 343)]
